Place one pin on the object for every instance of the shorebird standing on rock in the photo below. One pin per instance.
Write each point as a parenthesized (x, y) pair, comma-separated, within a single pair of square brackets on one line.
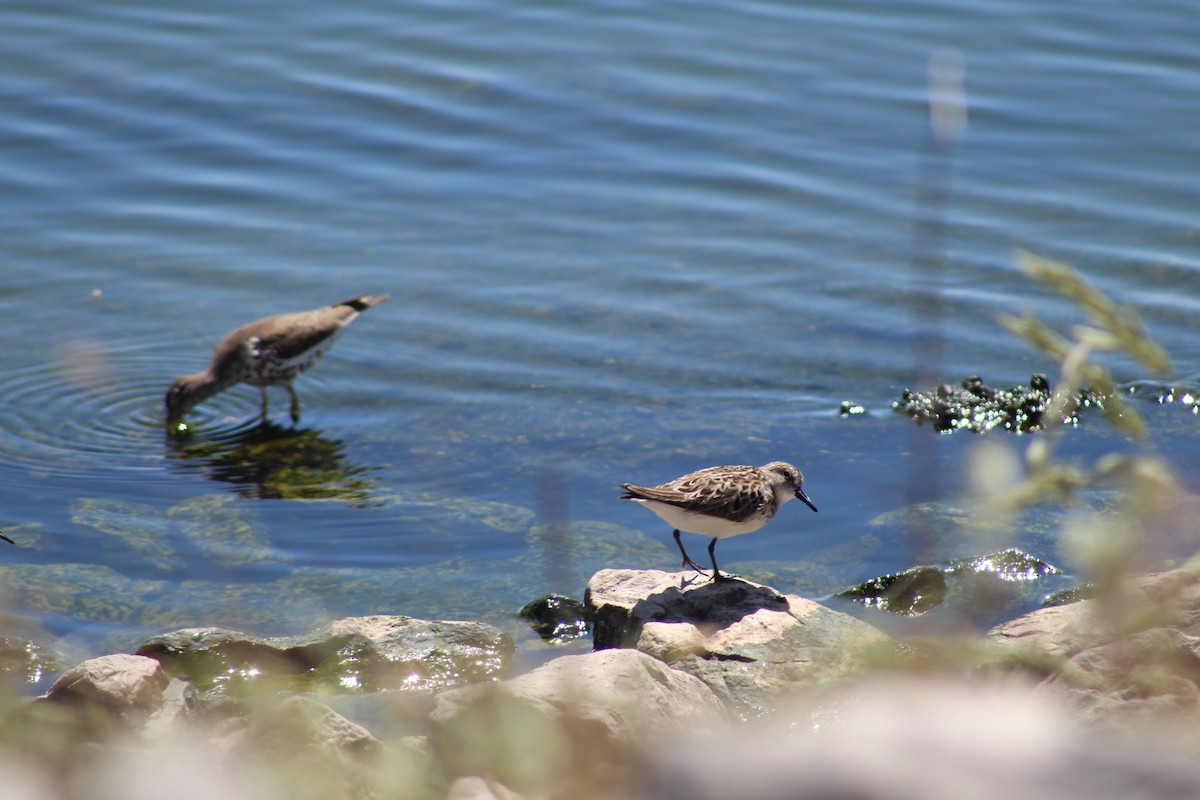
[(721, 502), (272, 351)]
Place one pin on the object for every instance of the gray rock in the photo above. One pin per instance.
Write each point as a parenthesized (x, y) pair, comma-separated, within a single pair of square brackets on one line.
[(476, 788), (297, 722), (744, 640), (316, 751), (1128, 659), (179, 701), (1055, 631), (354, 654), (938, 739), (125, 687), (571, 715)]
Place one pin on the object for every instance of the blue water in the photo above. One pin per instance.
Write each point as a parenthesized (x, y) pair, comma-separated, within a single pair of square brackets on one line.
[(621, 241)]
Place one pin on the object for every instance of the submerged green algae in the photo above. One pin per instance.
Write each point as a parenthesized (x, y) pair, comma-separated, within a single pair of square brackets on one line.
[(141, 528), (224, 531), (463, 511), (83, 591)]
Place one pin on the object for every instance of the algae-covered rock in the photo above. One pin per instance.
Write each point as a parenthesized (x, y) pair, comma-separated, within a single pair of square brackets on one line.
[(984, 587), (1009, 564), (225, 662), (911, 592), (25, 660), (143, 529), (353, 654), (976, 407), (556, 618), (224, 530), (1072, 594), (393, 652)]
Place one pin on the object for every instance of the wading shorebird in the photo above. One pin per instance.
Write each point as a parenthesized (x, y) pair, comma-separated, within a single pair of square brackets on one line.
[(721, 502), (272, 351)]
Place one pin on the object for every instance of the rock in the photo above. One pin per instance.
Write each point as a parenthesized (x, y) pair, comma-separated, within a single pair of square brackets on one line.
[(911, 592), (1130, 658), (671, 641), (849, 408), (1160, 600), (981, 586), (476, 788), (25, 660), (557, 618), (312, 747), (354, 654), (180, 700), (124, 687), (574, 715), (1074, 594), (1146, 680), (744, 640), (977, 407), (298, 721), (938, 739), (1052, 631), (393, 652)]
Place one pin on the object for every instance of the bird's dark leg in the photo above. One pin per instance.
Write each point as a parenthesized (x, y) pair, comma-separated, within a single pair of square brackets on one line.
[(263, 391), (687, 560), (712, 553), (295, 403)]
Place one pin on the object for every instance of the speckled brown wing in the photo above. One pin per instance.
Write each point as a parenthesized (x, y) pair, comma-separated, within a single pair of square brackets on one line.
[(288, 336), (732, 493), (284, 335)]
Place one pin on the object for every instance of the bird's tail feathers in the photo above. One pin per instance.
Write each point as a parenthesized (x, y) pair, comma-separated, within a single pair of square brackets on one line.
[(363, 301), (631, 492)]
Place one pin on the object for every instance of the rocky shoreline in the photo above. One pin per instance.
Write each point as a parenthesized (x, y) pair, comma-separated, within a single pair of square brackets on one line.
[(675, 659)]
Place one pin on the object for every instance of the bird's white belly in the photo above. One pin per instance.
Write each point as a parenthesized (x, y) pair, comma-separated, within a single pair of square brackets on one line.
[(692, 522), (269, 370)]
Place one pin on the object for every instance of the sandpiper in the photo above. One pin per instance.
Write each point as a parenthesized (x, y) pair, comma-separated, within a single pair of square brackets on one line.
[(272, 351), (721, 502)]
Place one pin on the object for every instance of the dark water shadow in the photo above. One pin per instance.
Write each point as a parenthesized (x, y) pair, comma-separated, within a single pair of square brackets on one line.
[(275, 462)]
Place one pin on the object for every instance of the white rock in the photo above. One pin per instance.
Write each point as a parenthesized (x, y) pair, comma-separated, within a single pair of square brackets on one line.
[(130, 687)]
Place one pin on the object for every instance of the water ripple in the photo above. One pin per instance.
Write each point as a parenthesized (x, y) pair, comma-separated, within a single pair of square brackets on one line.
[(98, 408)]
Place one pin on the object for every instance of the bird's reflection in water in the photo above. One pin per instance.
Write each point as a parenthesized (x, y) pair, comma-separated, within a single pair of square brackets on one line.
[(272, 461)]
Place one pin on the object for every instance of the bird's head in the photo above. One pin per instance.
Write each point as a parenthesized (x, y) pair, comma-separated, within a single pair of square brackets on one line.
[(788, 481), (185, 393)]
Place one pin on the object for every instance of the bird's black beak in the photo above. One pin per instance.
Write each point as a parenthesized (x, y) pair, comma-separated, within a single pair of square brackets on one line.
[(800, 495)]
